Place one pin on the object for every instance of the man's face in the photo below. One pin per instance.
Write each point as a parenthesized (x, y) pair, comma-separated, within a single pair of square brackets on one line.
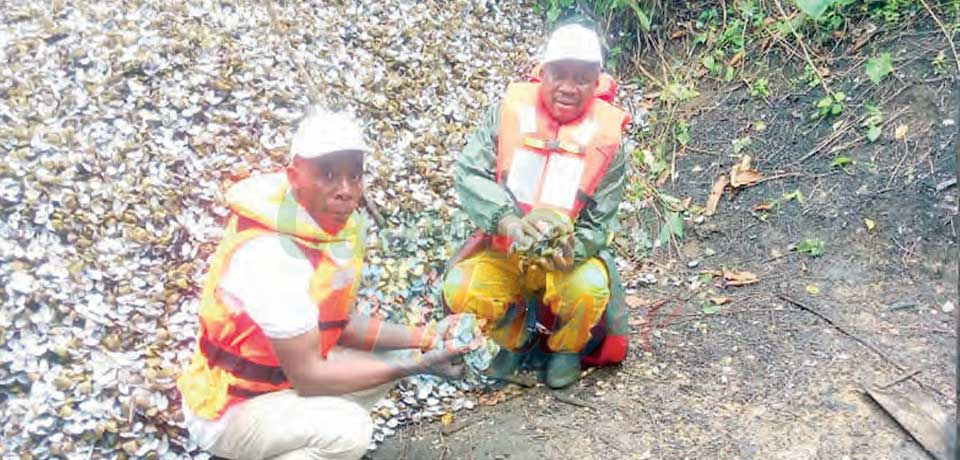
[(329, 188), (568, 88)]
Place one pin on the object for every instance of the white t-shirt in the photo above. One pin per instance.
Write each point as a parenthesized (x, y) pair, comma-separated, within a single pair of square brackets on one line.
[(272, 279)]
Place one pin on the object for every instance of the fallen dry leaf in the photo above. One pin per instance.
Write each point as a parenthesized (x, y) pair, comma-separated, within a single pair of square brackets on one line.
[(447, 419), (763, 206), (719, 300), (662, 179), (742, 178), (901, 132), (678, 34), (733, 278), (492, 399), (742, 174), (736, 59), (715, 195)]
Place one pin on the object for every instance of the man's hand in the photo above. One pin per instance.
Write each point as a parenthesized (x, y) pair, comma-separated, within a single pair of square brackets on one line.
[(441, 331), (562, 257), (444, 361), (522, 231)]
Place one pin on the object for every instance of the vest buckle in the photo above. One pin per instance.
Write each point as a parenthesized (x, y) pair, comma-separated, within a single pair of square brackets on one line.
[(553, 145)]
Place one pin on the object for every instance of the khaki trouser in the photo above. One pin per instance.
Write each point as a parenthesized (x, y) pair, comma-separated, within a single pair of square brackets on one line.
[(283, 425)]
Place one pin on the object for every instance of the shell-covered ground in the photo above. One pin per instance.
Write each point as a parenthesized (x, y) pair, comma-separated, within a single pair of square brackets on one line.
[(122, 123)]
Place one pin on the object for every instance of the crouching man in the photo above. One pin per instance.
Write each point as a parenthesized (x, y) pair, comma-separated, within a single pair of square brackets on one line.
[(283, 367)]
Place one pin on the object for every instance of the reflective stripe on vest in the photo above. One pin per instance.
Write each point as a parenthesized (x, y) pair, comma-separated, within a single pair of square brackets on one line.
[(545, 164)]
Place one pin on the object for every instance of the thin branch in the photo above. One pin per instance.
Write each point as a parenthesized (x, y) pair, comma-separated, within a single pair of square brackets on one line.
[(803, 46), (946, 34), (859, 340)]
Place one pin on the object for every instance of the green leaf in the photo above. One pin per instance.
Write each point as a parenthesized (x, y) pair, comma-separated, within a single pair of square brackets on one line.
[(643, 245), (675, 222), (683, 133), (710, 308), (879, 67), (794, 195), (728, 76), (812, 247), (672, 226), (814, 8), (741, 143), (553, 14), (641, 17), (664, 235), (840, 161), (709, 63), (873, 133)]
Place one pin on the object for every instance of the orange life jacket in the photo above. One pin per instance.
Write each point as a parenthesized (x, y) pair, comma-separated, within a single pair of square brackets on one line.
[(234, 360), (546, 164)]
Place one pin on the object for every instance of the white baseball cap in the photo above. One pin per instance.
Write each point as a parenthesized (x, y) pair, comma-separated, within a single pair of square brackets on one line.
[(573, 42), (322, 132)]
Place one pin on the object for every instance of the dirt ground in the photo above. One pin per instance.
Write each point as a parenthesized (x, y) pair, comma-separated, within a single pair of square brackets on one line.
[(763, 378)]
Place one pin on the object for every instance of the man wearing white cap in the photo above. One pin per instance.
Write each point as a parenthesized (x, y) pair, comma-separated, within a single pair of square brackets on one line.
[(547, 157), (283, 367)]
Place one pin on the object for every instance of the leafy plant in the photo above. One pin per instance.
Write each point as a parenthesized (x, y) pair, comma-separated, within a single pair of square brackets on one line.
[(939, 62), (710, 62), (878, 67), (812, 247), (741, 143), (652, 161), (872, 122), (794, 195), (840, 161), (830, 105), (758, 88), (672, 226), (682, 132), (709, 16), (554, 8), (613, 57), (710, 308), (678, 92), (811, 77), (814, 8)]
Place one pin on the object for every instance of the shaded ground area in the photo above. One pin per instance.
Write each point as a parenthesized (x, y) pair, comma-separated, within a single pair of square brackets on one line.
[(763, 378)]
